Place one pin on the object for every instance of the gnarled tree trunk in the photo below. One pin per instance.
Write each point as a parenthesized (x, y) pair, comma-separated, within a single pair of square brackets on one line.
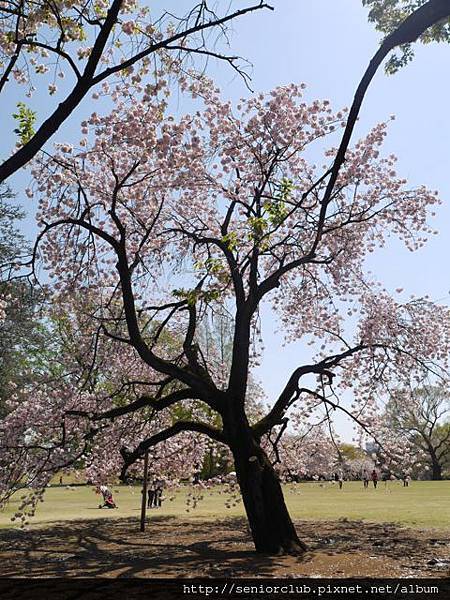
[(436, 472), (270, 523)]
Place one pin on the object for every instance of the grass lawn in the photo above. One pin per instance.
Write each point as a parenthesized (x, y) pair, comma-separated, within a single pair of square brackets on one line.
[(423, 504)]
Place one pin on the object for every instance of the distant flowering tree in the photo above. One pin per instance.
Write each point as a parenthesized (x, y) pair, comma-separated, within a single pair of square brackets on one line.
[(156, 224), (355, 467), (308, 454), (90, 43), (392, 453)]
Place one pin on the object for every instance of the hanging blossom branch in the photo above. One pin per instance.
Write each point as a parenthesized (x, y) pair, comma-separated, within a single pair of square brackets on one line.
[(27, 26)]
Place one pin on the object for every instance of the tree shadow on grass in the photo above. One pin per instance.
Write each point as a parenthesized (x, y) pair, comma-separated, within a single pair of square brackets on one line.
[(413, 551), (173, 547), (99, 548)]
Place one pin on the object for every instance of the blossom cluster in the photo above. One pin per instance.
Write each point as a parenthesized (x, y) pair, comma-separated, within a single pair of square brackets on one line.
[(158, 222)]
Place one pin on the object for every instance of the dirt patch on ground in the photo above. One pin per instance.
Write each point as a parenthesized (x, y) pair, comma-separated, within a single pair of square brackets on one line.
[(173, 547)]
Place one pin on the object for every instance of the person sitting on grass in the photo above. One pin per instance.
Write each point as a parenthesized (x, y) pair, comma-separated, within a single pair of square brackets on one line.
[(108, 501)]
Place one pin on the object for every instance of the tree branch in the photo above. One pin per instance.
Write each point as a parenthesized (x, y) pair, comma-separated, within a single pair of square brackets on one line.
[(144, 401), (179, 427), (409, 31), (276, 414), (88, 80)]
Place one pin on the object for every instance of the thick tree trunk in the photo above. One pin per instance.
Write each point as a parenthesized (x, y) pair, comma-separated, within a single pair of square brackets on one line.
[(436, 472), (271, 526)]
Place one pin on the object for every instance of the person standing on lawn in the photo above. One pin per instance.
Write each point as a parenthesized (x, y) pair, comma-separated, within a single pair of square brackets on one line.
[(365, 478), (374, 478), (151, 494)]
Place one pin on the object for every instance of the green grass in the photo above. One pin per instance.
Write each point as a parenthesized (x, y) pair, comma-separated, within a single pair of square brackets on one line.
[(423, 504)]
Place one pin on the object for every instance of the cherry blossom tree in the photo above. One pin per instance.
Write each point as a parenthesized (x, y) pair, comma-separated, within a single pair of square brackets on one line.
[(310, 453), (355, 467), (392, 453), (91, 43), (42, 433), (158, 222)]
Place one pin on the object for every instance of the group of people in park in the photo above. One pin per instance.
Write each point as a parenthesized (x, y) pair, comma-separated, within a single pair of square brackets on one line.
[(366, 478), (373, 476), (155, 487), (386, 477), (155, 493), (339, 478)]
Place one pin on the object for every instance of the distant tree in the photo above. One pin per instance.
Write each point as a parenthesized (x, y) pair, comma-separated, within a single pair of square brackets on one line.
[(307, 452), (351, 452), (11, 240), (22, 335), (422, 416), (443, 433)]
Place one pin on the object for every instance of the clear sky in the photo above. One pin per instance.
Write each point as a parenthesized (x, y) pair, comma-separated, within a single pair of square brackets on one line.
[(327, 45)]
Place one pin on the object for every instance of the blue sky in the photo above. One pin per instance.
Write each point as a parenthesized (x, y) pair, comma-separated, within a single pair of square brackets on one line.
[(327, 44)]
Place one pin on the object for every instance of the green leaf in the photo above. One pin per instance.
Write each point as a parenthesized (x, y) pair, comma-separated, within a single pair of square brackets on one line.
[(26, 119)]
